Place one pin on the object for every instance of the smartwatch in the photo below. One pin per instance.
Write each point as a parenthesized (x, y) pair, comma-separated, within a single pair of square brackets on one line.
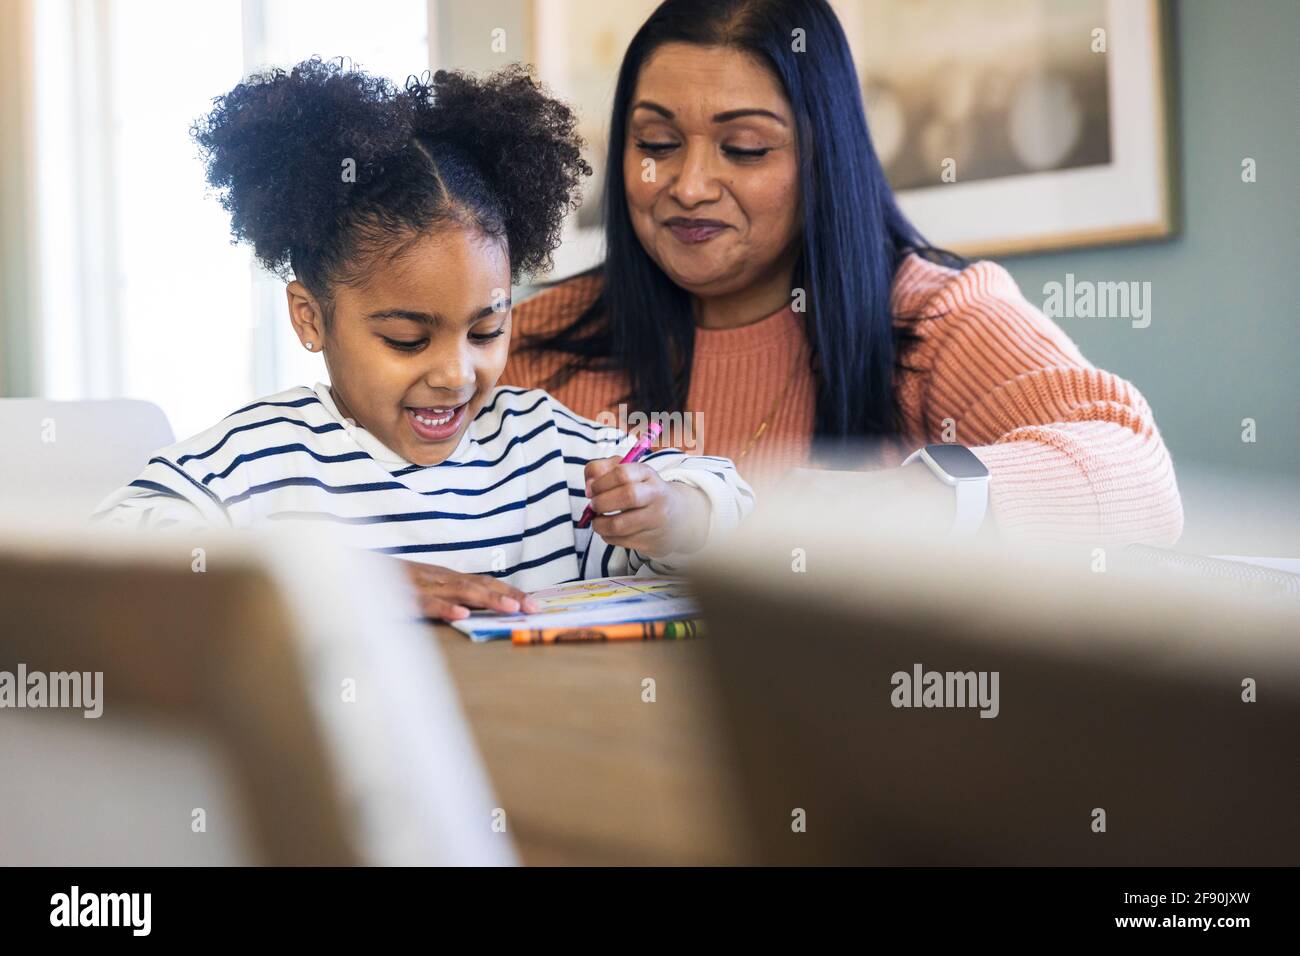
[(957, 466)]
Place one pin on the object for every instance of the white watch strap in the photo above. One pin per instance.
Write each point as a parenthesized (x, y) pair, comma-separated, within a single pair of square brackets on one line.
[(972, 495), (972, 502)]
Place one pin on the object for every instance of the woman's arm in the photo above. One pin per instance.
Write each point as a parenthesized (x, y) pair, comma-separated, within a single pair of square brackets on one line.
[(1073, 450)]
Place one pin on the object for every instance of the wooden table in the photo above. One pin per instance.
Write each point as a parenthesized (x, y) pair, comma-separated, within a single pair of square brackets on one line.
[(587, 771)]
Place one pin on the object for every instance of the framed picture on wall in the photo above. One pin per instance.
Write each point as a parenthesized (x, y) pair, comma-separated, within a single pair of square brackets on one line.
[(577, 48), (1010, 126)]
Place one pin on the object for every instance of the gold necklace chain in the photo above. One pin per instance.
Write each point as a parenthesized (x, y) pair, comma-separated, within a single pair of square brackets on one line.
[(780, 401)]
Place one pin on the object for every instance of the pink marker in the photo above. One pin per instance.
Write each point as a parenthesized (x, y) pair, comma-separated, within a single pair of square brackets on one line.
[(636, 452)]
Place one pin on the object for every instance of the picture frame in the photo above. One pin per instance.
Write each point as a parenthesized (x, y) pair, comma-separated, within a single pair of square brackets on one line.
[(577, 48), (1019, 126)]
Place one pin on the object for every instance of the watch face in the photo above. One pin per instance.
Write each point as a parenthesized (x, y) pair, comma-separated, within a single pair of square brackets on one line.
[(957, 461)]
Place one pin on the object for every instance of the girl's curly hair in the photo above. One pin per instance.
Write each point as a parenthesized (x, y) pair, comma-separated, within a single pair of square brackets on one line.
[(324, 166)]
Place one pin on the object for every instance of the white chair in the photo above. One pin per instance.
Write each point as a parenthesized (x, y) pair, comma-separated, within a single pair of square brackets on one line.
[(75, 453)]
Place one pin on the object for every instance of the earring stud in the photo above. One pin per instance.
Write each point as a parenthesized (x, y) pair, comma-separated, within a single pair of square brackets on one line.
[(310, 346)]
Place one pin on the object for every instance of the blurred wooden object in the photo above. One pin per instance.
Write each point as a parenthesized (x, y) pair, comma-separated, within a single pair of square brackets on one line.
[(1124, 728), (293, 673), (209, 652)]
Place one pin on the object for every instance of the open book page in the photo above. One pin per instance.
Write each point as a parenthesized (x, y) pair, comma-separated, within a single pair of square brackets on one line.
[(590, 603)]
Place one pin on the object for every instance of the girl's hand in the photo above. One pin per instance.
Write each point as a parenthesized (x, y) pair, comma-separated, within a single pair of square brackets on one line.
[(656, 517), (447, 594)]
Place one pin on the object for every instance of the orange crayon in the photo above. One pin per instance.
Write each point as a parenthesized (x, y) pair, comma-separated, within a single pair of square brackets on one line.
[(638, 631)]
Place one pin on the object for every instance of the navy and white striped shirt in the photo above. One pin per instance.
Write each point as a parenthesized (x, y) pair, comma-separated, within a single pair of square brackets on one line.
[(504, 503)]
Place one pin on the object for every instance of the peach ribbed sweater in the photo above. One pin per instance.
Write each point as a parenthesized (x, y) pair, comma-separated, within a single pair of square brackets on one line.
[(1073, 450)]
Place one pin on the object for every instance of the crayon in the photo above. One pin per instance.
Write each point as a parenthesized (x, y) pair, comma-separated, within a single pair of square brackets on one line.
[(635, 452), (639, 631)]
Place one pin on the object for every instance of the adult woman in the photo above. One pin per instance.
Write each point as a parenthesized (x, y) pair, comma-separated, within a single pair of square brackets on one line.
[(759, 272)]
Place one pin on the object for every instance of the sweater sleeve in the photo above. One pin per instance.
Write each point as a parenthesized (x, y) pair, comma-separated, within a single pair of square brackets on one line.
[(1073, 450), (165, 495), (584, 440)]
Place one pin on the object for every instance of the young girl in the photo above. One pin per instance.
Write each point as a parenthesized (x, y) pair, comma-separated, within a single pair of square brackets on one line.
[(401, 218)]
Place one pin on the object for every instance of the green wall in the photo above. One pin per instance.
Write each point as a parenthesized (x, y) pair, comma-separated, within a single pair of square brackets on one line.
[(1224, 339)]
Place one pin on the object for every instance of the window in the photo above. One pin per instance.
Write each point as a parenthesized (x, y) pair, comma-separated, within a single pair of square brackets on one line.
[(142, 294)]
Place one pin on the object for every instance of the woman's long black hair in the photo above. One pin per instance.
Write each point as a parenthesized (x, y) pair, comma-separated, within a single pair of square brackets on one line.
[(854, 235)]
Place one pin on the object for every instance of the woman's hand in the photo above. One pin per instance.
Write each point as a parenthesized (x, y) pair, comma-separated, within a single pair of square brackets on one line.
[(447, 594), (656, 517)]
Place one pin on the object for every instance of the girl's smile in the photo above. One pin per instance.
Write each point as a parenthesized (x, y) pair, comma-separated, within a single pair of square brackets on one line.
[(436, 424)]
